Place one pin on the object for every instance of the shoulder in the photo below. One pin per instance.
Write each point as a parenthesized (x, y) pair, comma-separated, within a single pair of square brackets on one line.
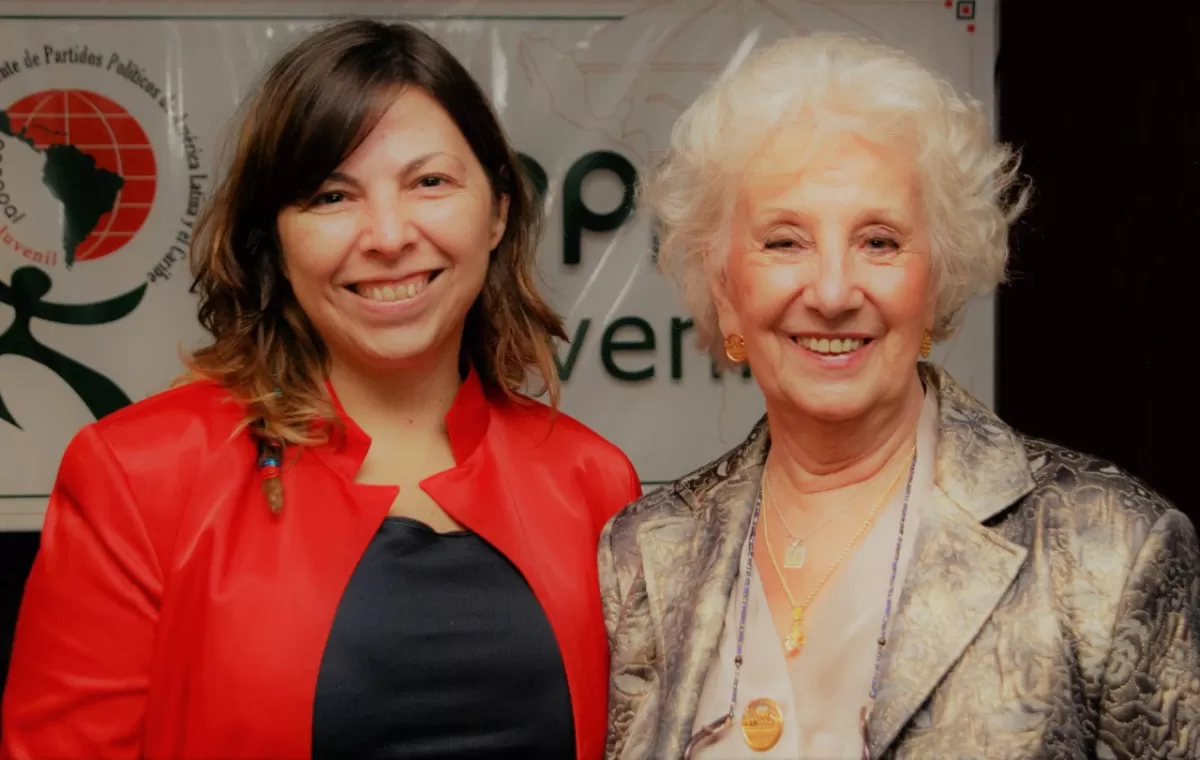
[(682, 502), (134, 470), (175, 422), (620, 535), (538, 430), (1083, 502), (155, 447), (535, 434), (1097, 491), (700, 494), (1097, 509)]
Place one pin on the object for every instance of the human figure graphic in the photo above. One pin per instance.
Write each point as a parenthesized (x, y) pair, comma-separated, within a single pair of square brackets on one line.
[(29, 286)]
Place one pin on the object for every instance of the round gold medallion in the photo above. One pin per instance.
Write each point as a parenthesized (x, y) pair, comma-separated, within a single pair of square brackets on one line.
[(762, 724)]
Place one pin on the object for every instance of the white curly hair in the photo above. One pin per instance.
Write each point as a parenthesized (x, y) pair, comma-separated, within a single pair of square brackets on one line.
[(972, 191)]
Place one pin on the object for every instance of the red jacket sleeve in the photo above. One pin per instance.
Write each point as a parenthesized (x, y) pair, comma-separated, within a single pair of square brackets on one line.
[(82, 652), (634, 491), (622, 487)]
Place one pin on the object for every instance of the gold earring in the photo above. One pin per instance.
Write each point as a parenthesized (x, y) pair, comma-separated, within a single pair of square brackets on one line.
[(926, 345), (735, 348)]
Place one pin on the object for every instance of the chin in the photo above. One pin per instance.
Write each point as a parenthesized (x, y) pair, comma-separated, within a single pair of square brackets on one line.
[(391, 355), (834, 412), (830, 405)]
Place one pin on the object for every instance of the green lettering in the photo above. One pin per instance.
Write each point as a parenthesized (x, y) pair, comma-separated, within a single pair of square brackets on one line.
[(678, 328), (609, 345), (576, 342), (577, 217)]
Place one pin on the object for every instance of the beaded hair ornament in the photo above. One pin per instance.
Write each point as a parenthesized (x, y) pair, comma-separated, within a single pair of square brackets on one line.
[(270, 462)]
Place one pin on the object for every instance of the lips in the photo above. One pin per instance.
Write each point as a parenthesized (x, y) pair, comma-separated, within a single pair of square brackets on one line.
[(389, 291)]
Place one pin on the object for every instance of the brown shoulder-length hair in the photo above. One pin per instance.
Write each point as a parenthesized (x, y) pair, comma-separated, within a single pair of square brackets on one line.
[(314, 107)]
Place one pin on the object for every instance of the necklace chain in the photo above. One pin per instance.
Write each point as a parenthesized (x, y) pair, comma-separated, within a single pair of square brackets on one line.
[(862, 530), (791, 533)]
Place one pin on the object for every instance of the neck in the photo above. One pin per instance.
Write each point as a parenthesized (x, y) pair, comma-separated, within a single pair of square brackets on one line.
[(414, 399), (810, 456)]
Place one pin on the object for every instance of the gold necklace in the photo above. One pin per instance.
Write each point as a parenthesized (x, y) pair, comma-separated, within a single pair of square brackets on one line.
[(797, 550), (794, 641)]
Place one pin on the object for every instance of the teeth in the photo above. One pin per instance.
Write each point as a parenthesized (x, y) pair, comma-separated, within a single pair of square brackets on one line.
[(827, 346), (387, 293)]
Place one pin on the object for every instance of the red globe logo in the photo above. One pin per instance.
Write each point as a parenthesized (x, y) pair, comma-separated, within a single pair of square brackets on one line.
[(104, 131)]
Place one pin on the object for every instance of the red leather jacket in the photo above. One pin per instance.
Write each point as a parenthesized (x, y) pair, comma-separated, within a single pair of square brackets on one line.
[(170, 614)]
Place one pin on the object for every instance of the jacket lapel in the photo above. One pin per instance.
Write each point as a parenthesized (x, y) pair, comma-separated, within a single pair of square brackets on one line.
[(690, 615), (959, 574), (961, 569)]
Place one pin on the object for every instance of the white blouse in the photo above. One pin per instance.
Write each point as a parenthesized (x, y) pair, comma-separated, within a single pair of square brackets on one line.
[(821, 692)]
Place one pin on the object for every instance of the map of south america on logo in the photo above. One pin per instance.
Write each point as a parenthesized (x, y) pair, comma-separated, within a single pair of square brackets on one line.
[(98, 163)]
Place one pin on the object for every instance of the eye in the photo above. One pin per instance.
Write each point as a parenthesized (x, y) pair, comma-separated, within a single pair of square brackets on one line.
[(329, 198), (880, 243), (780, 244), (431, 180)]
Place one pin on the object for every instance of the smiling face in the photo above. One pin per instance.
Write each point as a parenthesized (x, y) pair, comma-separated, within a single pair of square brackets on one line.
[(389, 255), (828, 274)]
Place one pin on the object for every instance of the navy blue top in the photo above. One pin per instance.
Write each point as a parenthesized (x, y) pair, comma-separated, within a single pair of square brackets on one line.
[(439, 649)]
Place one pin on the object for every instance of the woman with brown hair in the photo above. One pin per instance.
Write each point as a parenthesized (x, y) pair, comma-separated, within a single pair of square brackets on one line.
[(348, 534)]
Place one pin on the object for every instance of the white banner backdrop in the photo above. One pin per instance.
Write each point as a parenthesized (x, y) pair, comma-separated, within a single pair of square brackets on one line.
[(112, 121)]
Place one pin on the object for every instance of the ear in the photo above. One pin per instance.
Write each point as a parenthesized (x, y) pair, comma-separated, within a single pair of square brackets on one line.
[(283, 265), (727, 314), (499, 222), (932, 295), (931, 310), (276, 239)]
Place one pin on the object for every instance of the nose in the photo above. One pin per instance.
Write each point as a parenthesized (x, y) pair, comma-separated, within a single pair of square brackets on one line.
[(389, 229), (833, 290)]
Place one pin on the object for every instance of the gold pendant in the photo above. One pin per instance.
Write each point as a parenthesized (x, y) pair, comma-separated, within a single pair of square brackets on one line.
[(795, 638), (796, 553), (762, 724)]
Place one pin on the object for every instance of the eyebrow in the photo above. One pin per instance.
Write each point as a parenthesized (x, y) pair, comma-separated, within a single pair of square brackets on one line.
[(885, 216), (879, 215), (420, 161), (408, 168)]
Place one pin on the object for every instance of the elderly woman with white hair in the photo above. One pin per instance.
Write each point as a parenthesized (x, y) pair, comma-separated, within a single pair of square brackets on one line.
[(883, 567)]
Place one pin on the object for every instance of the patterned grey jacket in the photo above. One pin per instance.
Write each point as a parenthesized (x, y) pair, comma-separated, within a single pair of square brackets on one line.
[(1050, 610)]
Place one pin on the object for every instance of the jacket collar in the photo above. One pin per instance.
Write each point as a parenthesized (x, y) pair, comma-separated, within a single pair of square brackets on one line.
[(466, 424), (981, 463)]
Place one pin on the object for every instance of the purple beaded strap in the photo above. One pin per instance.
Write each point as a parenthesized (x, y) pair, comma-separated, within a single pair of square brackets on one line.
[(865, 716)]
